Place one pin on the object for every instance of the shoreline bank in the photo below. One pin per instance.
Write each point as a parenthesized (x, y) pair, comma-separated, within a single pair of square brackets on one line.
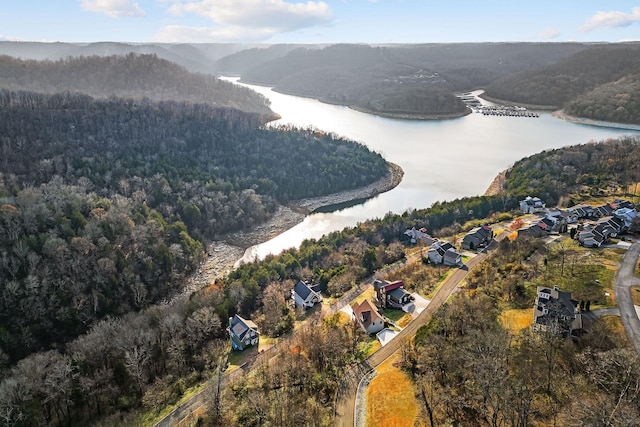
[(560, 114), (222, 254)]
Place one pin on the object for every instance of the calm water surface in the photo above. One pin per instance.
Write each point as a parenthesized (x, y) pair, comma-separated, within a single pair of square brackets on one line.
[(442, 159)]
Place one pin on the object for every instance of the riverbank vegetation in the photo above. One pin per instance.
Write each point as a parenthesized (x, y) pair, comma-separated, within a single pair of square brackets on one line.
[(106, 204)]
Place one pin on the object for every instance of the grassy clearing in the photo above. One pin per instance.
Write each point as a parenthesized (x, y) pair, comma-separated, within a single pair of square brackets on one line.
[(390, 398), (616, 329), (370, 346), (515, 320)]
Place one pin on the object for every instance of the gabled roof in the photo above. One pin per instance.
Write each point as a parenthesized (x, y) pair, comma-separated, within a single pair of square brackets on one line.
[(302, 289), (239, 326), (366, 313), (398, 293)]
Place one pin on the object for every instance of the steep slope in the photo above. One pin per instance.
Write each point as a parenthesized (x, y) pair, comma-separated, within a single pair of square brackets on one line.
[(557, 84), (617, 101), (131, 76)]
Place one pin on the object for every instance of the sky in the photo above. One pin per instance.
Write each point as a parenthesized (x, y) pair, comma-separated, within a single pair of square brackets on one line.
[(311, 21)]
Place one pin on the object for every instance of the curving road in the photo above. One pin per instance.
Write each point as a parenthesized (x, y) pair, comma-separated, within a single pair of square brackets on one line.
[(346, 398), (625, 279)]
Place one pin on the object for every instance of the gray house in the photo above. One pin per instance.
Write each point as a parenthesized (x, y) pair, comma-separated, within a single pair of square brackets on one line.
[(555, 311), (243, 333), (444, 253), (477, 238)]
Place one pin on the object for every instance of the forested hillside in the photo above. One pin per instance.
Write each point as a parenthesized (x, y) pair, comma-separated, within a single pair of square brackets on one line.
[(557, 84), (617, 101), (105, 202), (400, 80), (593, 168), (130, 76)]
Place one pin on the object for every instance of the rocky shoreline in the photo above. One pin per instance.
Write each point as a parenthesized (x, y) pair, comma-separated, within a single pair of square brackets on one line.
[(560, 114), (224, 253)]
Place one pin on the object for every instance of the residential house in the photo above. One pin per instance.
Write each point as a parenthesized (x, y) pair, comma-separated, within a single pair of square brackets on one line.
[(604, 210), (583, 211), (592, 235), (555, 311), (532, 205), (420, 235), (391, 294), (368, 317), (533, 231), (305, 295), (243, 333), (444, 253), (627, 215), (477, 238)]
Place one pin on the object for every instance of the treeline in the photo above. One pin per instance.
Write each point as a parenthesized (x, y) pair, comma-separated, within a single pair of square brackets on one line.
[(617, 102), (593, 168), (400, 80), (105, 204), (469, 368), (558, 84), (128, 76)]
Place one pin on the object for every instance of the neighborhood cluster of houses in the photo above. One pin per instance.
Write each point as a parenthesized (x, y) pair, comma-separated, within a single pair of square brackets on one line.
[(553, 308), (366, 314), (441, 252), (593, 225)]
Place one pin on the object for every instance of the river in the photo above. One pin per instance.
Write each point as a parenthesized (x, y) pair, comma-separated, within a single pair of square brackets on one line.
[(442, 159)]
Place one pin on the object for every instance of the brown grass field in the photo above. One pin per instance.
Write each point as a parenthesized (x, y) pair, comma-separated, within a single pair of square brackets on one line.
[(515, 320), (635, 295), (390, 398)]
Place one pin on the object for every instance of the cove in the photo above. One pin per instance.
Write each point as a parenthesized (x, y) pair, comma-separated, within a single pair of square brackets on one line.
[(442, 159)]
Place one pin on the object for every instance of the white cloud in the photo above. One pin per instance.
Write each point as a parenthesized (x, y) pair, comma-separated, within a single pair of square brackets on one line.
[(113, 8), (263, 15), (548, 34), (611, 19)]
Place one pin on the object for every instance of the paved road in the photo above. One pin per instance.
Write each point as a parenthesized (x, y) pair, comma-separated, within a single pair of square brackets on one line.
[(346, 398), (197, 404), (624, 280)]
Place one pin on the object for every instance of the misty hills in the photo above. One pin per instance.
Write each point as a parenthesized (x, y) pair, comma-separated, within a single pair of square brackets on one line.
[(559, 83), (397, 80), (130, 76), (411, 81)]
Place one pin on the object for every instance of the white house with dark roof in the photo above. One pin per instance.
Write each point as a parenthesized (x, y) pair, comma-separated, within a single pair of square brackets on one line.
[(444, 253), (243, 333), (555, 311), (305, 295), (532, 205)]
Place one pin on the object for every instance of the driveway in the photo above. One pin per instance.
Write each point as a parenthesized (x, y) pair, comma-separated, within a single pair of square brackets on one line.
[(625, 279)]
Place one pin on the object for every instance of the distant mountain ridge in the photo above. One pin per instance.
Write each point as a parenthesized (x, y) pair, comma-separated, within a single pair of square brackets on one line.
[(129, 76), (599, 83)]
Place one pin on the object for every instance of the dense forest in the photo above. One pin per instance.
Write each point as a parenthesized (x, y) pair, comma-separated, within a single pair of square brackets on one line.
[(599, 82), (147, 359), (105, 203), (617, 101), (591, 169), (129, 76)]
